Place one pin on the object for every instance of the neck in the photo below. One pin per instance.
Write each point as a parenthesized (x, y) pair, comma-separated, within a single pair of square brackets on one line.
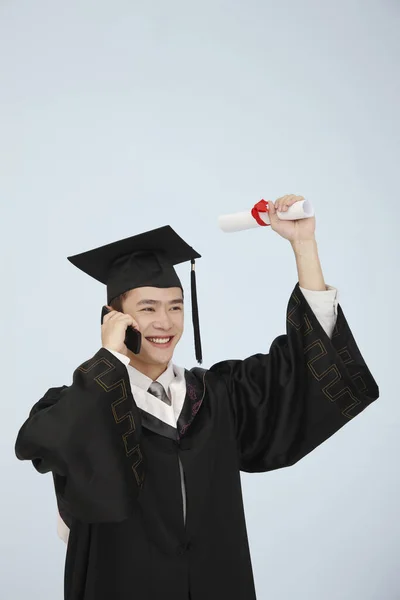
[(152, 371)]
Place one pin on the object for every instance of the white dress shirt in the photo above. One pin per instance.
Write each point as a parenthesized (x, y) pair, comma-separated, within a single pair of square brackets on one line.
[(173, 382)]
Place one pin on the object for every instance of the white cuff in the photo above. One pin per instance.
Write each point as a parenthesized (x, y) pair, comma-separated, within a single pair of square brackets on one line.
[(124, 359), (321, 300), (62, 529), (324, 306)]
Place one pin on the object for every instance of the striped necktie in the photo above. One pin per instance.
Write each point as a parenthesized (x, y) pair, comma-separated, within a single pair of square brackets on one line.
[(157, 390)]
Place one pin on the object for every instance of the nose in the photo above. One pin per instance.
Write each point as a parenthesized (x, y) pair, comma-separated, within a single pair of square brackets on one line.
[(163, 322)]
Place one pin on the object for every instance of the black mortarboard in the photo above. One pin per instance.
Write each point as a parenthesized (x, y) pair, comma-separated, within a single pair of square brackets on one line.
[(142, 260)]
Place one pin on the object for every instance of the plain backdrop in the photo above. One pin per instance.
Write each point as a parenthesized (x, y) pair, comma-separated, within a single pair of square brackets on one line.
[(117, 117)]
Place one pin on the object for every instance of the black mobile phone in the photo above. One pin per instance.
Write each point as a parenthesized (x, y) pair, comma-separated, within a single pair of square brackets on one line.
[(133, 337)]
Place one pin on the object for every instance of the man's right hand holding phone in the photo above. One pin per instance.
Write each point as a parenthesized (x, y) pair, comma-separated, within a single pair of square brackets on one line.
[(113, 330)]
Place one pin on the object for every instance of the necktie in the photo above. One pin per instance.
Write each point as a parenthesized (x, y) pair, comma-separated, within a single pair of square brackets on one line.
[(157, 390)]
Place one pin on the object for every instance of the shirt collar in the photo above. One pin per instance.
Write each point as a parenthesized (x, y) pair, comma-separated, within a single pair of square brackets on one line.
[(144, 382)]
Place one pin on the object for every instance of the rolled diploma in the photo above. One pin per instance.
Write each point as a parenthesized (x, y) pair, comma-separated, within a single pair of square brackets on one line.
[(245, 220)]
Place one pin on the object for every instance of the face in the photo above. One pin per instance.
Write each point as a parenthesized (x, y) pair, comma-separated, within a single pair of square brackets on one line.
[(159, 314)]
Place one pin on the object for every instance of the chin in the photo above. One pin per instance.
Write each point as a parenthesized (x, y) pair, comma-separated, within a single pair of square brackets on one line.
[(158, 357), (158, 360)]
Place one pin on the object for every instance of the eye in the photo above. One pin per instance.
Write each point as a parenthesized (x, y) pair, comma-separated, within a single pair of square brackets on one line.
[(176, 308), (147, 309)]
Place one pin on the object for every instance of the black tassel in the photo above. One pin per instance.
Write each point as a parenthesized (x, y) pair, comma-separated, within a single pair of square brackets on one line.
[(195, 315)]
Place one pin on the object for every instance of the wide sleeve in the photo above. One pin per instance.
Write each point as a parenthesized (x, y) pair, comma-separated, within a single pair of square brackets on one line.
[(285, 403), (88, 435)]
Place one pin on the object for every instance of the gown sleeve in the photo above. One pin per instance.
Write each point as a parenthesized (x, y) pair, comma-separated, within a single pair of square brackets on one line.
[(286, 403), (87, 435)]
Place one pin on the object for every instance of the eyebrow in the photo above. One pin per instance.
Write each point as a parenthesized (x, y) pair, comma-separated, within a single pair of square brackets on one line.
[(148, 301)]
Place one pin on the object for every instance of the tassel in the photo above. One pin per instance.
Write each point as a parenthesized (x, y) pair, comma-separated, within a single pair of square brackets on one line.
[(195, 315)]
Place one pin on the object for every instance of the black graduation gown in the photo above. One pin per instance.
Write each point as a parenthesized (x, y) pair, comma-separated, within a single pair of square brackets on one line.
[(116, 469)]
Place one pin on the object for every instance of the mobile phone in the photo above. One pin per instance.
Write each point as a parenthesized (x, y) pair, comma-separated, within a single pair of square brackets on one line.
[(133, 337)]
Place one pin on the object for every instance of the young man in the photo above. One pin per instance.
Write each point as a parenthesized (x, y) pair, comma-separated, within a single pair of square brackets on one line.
[(147, 476)]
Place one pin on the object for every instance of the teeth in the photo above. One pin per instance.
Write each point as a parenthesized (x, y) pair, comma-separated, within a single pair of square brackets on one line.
[(159, 340)]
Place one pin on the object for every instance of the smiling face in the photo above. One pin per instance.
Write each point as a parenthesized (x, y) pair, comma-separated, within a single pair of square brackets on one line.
[(159, 314)]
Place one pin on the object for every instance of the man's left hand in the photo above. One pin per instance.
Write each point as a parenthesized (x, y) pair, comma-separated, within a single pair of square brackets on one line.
[(299, 230)]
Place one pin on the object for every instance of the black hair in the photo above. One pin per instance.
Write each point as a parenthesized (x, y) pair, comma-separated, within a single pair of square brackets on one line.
[(116, 303)]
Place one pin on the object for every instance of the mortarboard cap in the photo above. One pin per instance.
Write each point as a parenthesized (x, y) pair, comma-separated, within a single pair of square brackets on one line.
[(142, 260)]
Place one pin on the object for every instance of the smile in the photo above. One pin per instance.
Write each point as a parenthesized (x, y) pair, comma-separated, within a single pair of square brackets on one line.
[(160, 341)]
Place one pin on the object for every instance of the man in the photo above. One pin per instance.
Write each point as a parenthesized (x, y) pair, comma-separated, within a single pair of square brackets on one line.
[(147, 475)]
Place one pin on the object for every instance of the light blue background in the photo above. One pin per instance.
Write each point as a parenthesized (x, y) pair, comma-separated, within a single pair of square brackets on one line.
[(121, 116)]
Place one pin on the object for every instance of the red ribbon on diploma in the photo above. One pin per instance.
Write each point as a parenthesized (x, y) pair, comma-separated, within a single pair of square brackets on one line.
[(262, 207)]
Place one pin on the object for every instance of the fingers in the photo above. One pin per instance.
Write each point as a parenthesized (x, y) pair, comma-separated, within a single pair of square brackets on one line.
[(273, 217), (283, 203), (111, 315), (114, 315)]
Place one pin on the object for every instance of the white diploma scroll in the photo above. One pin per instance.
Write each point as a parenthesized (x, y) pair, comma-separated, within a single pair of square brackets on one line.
[(245, 220)]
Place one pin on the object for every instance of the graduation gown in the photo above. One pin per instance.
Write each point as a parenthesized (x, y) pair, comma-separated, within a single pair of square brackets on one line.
[(116, 469)]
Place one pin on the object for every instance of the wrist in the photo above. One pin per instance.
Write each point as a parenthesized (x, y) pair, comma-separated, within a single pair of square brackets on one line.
[(122, 350), (121, 356), (306, 247)]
